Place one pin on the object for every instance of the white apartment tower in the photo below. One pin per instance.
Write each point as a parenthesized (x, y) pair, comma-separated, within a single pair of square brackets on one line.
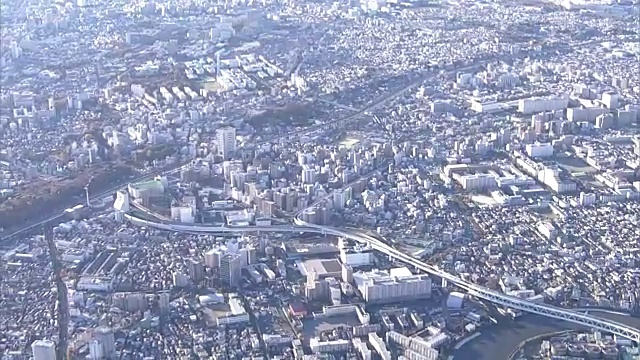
[(43, 350), (226, 141)]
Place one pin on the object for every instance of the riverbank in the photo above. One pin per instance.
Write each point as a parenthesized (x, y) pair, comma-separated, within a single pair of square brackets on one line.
[(499, 341)]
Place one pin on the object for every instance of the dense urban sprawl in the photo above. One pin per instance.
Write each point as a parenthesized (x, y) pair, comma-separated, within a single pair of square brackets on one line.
[(187, 179)]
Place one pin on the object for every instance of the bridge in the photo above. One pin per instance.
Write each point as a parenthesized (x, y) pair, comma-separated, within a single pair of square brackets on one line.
[(478, 291)]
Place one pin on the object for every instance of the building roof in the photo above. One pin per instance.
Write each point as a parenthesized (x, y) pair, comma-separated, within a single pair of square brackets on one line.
[(151, 184), (401, 271), (321, 267), (297, 308)]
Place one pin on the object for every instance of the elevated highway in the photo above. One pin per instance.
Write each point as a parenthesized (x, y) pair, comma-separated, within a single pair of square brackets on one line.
[(181, 227), (478, 291)]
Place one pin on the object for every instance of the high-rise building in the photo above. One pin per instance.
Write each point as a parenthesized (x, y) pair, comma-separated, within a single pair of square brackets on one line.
[(317, 289), (231, 269), (106, 338), (196, 270), (264, 241), (537, 123), (339, 199), (347, 273), (226, 141), (610, 100), (43, 350), (251, 255), (308, 175), (212, 258), (244, 256)]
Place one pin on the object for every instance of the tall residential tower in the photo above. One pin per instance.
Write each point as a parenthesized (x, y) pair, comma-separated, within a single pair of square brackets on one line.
[(226, 141)]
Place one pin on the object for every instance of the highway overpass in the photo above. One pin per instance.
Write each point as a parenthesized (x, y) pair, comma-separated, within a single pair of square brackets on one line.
[(478, 291)]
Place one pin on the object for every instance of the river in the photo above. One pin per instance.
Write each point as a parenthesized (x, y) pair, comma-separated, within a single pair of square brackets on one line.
[(497, 342)]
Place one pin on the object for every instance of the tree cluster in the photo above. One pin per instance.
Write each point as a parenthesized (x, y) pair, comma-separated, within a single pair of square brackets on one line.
[(38, 199)]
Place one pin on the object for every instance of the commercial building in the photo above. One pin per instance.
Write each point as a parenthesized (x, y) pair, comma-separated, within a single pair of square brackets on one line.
[(338, 310), (626, 117), (214, 298), (455, 300), (552, 178), (396, 284), (425, 348), (356, 256), (472, 182), (302, 251), (541, 104), (236, 314), (471, 177), (489, 106), (586, 114), (95, 283), (298, 310), (321, 268), (316, 289), (146, 189), (539, 150), (319, 347), (184, 214), (43, 350)]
